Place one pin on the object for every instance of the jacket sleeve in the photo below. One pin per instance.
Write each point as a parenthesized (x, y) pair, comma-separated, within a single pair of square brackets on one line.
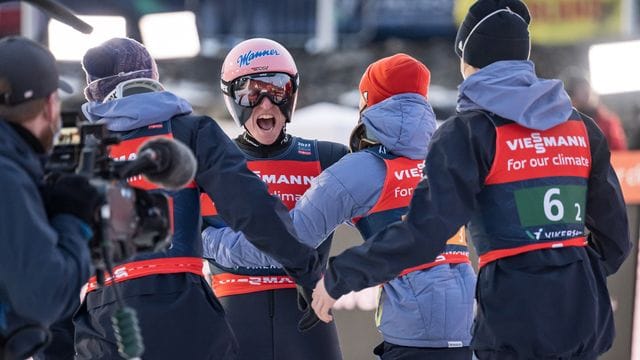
[(606, 212), (244, 203), (328, 203), (338, 195), (230, 248), (455, 169), (335, 196), (42, 265)]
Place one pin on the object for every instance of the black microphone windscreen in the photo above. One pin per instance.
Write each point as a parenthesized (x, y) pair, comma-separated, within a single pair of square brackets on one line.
[(176, 164)]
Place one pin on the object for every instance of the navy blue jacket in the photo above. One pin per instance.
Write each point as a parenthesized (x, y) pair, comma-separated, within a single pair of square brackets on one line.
[(223, 174), (43, 263)]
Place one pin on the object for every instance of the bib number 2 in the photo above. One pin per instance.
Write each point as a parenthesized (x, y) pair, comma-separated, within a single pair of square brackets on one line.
[(549, 205)]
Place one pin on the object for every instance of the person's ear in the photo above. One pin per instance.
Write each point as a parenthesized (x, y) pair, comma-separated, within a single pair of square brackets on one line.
[(467, 70), (363, 101), (51, 106)]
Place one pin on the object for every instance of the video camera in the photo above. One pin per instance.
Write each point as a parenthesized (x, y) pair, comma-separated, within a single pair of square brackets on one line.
[(131, 220)]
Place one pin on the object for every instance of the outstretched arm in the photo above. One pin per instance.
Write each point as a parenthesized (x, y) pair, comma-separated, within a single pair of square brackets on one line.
[(230, 248), (243, 202), (327, 203)]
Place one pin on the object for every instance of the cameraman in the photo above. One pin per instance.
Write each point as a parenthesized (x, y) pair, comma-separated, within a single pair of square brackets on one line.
[(176, 307), (44, 255)]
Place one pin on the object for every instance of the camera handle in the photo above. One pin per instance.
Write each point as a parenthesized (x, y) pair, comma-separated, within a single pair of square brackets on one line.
[(124, 320)]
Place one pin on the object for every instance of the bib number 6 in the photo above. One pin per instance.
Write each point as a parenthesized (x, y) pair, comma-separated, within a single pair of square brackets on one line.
[(553, 208)]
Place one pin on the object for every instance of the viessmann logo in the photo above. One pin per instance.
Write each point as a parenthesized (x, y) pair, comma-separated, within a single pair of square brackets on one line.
[(285, 179), (258, 280), (415, 172), (540, 143)]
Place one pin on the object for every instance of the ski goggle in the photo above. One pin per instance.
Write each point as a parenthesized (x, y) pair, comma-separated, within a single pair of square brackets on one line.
[(248, 91), (132, 87)]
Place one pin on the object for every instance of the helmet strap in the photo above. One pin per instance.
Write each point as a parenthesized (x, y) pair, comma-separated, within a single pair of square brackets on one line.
[(283, 138)]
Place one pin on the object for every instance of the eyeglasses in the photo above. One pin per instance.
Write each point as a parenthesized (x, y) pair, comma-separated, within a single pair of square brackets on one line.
[(248, 91)]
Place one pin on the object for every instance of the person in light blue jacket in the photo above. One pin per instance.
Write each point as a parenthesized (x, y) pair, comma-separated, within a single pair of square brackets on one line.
[(427, 311)]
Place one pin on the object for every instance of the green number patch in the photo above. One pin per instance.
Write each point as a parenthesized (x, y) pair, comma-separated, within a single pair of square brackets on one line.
[(549, 205)]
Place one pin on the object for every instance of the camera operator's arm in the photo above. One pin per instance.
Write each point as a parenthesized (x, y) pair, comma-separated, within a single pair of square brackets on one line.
[(243, 202), (42, 264)]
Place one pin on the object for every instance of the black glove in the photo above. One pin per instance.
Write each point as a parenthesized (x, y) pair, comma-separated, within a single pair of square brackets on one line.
[(72, 194), (24, 342), (309, 318)]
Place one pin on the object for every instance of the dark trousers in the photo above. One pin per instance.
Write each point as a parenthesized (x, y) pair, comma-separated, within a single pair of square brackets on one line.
[(178, 315), (388, 351), (61, 346), (506, 355), (547, 304), (265, 324)]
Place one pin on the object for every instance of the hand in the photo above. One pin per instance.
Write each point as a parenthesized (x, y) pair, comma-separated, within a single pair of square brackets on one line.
[(309, 318), (322, 302), (72, 194)]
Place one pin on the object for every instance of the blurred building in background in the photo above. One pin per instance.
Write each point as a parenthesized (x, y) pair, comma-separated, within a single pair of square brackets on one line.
[(332, 41)]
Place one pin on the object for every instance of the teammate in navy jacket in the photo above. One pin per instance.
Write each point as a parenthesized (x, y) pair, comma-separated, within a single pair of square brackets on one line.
[(528, 174), (426, 312), (175, 305), (44, 230), (260, 84)]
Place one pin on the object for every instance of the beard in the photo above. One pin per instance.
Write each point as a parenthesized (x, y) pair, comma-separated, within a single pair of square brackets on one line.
[(50, 138)]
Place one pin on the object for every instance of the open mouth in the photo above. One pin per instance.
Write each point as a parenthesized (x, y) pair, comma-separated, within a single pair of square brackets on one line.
[(266, 122)]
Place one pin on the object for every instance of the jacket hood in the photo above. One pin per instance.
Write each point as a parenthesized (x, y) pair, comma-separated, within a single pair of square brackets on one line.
[(137, 110), (402, 123), (512, 90)]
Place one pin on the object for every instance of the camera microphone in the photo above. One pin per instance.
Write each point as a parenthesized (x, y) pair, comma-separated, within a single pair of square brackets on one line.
[(62, 14), (163, 161)]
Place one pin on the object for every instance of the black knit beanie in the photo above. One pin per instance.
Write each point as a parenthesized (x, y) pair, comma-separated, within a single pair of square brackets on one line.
[(494, 30)]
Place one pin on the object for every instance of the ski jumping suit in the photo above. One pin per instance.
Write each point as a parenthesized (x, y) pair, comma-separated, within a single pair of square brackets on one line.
[(261, 301)]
